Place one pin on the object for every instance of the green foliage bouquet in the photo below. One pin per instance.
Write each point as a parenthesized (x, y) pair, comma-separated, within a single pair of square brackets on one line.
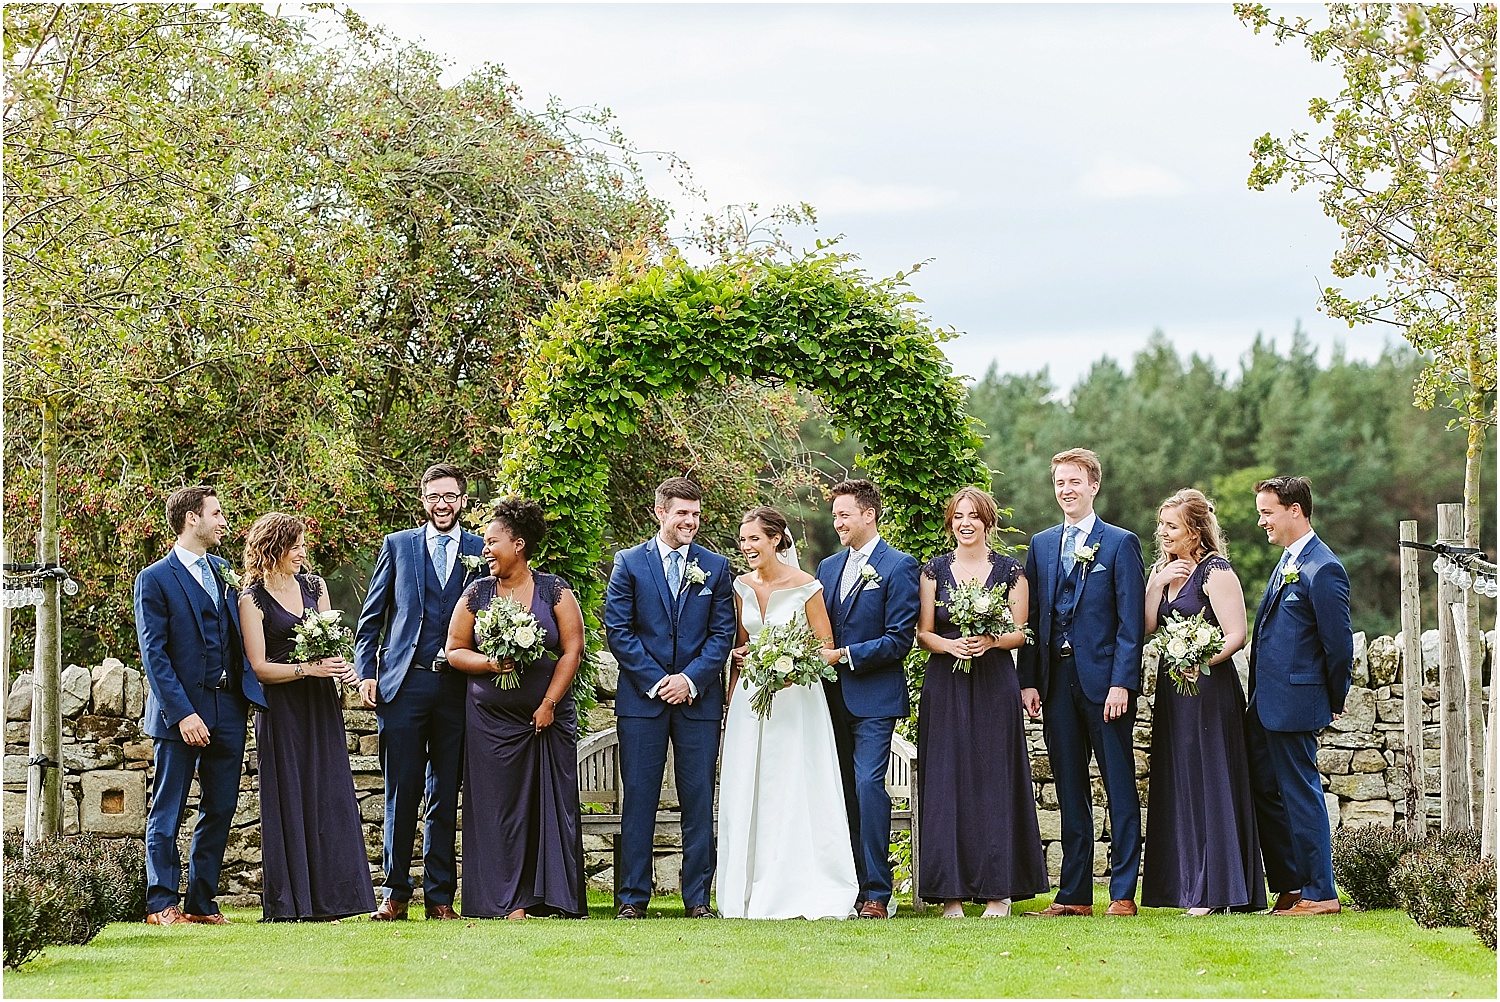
[(784, 654), (509, 635), (978, 611), (1186, 646), (323, 635)]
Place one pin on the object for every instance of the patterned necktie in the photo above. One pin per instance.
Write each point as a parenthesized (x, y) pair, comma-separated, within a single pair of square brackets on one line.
[(1070, 549), (852, 568), (206, 579), (440, 559), (674, 572), (1286, 558)]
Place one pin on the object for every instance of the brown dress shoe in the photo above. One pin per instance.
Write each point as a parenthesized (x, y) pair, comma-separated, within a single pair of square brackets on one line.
[(440, 912), (390, 910), (1123, 906), (170, 915), (1306, 907), (1285, 900), (873, 910), (630, 912), (217, 918), (701, 911), (1056, 910)]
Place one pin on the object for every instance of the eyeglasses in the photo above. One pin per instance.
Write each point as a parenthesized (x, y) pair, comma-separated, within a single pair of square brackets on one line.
[(447, 498)]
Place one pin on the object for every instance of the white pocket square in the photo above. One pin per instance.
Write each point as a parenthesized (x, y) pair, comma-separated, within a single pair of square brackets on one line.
[(1098, 568), (873, 586), (706, 590), (1292, 597)]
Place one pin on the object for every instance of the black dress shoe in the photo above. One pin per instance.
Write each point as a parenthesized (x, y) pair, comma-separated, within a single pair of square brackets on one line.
[(701, 911), (630, 912)]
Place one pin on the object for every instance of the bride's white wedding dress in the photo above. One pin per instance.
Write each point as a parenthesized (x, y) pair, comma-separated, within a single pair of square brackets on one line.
[(783, 834)]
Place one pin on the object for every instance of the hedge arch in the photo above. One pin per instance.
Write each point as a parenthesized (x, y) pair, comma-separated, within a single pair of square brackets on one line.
[(817, 322)]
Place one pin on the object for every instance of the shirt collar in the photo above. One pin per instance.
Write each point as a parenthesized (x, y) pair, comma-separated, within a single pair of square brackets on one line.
[(868, 550), (433, 532), (1085, 525), (188, 557), (1295, 550), (662, 551)]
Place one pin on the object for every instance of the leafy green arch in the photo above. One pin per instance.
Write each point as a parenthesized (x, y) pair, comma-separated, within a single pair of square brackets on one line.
[(816, 322)]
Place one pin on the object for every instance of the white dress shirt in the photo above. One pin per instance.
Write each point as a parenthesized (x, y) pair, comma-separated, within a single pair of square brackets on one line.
[(1294, 551), (1085, 527), (865, 553), (190, 561), (455, 534), (661, 552)]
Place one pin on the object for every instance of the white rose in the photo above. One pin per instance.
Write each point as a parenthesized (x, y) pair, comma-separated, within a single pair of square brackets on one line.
[(1205, 636), (1177, 647), (784, 665), (525, 636), (982, 604)]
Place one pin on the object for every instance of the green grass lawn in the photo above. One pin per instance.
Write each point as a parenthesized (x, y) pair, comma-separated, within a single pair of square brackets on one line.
[(1377, 954)]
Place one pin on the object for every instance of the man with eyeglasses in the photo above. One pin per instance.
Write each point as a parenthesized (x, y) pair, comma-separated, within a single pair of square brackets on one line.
[(418, 699)]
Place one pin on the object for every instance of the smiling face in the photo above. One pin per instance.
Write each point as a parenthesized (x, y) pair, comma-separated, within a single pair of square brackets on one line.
[(1075, 493), (855, 526), (443, 502), (206, 527), (967, 525), (1177, 540), (758, 544), (679, 521), (1284, 525), (295, 558), (502, 549)]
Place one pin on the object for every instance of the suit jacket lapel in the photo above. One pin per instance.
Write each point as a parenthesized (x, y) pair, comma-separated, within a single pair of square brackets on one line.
[(469, 545), (652, 557), (877, 554), (185, 581), (1084, 568), (232, 607), (419, 554)]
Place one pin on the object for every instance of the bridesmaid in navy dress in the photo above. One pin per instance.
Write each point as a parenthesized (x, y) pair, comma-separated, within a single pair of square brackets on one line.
[(1202, 849), (313, 859), (523, 836), (977, 821)]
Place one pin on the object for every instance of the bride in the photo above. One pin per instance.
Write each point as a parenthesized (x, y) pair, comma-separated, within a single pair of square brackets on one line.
[(783, 835)]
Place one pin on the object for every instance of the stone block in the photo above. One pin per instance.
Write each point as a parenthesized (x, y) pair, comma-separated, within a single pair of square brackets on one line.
[(365, 781), (1054, 858), (14, 802), (1143, 709), (1353, 739), (15, 770), (1368, 812), (667, 874), (1390, 711), (1430, 656), (18, 703), (1383, 661), (77, 687), (1333, 761), (1101, 859), (114, 802), (1241, 661), (247, 808), (1142, 763), (1048, 796), (369, 744), (71, 822), (1331, 805), (110, 730), (351, 697), (108, 681), (1041, 768), (135, 694), (364, 763), (1050, 824), (86, 756), (360, 721), (374, 849), (372, 809), (351, 743), (607, 681), (1367, 760), (1141, 736), (17, 732), (1359, 711), (1358, 786), (1361, 666)]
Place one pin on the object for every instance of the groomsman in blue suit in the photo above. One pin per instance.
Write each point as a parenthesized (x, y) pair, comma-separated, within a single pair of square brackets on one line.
[(1301, 665), (419, 700), (873, 595), (197, 702), (670, 622), (1083, 674)]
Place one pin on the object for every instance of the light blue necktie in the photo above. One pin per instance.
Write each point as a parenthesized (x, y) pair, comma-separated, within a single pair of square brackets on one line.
[(1286, 558), (1070, 549), (440, 559), (674, 573), (206, 579)]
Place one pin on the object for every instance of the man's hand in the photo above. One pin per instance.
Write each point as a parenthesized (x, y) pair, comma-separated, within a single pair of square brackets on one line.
[(367, 690), (832, 655), (1031, 699), (1116, 703), (674, 689), (194, 730)]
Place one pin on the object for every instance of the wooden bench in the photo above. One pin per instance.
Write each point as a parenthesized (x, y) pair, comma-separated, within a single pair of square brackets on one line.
[(599, 790)]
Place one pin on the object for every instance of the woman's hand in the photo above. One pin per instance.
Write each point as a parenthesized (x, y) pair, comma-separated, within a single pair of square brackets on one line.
[(967, 647), (738, 656), (1191, 674), (543, 715), (1176, 572), (334, 667)]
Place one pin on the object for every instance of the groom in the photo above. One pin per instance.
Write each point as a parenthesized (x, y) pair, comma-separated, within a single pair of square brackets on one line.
[(1083, 674), (1300, 671), (872, 595), (670, 622)]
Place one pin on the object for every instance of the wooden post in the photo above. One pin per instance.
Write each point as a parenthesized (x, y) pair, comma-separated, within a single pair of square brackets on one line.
[(1487, 829), (44, 779), (1471, 641), (1411, 684), (4, 650), (1457, 802)]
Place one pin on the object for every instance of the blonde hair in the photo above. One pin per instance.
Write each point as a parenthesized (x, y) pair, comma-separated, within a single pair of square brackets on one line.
[(269, 539), (1198, 517), (1084, 458), (984, 506)]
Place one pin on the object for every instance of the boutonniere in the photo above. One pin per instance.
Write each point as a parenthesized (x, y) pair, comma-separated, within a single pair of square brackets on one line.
[(1291, 574), (693, 574), (472, 563), (1086, 554), (231, 578), (869, 575)]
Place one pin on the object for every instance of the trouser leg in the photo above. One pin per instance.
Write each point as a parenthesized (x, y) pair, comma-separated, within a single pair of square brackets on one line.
[(643, 760)]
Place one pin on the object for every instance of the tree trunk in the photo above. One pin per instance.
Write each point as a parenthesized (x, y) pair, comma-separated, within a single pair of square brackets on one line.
[(1457, 802), (1491, 778), (44, 776), (1473, 636), (1411, 685)]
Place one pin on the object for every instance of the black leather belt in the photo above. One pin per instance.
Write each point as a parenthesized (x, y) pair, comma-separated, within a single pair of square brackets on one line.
[(1064, 649), (440, 666), (223, 682)]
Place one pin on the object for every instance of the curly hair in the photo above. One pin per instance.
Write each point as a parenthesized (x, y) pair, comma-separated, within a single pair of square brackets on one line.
[(523, 519), (268, 541), (1197, 513)]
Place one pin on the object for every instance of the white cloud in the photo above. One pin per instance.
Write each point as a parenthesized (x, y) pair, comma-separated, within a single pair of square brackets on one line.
[(1112, 178), (843, 194)]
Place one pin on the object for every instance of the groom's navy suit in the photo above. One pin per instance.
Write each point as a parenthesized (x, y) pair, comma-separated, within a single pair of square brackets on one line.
[(1099, 610), (420, 712), (877, 622), (194, 662), (653, 634), (1300, 670)]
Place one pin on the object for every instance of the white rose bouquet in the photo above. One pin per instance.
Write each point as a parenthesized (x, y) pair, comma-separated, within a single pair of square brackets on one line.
[(780, 655), (1185, 646), (978, 611), (322, 635), (507, 631)]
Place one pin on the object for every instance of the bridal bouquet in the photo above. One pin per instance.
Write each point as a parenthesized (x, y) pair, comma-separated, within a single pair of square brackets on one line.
[(978, 611), (321, 635), (1185, 645), (784, 654), (507, 631)]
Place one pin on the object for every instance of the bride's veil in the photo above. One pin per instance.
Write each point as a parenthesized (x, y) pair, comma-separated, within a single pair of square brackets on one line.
[(789, 555)]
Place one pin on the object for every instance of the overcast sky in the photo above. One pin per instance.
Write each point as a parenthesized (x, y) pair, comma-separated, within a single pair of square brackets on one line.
[(1076, 173)]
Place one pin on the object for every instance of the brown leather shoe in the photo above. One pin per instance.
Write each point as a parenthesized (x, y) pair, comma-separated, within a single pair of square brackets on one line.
[(217, 918), (1306, 907), (873, 910), (170, 915), (701, 911), (390, 910), (440, 912), (1124, 907), (1285, 900), (630, 912), (1056, 910)]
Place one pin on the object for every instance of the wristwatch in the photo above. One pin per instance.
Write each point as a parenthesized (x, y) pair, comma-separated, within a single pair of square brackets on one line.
[(298, 670), (843, 656)]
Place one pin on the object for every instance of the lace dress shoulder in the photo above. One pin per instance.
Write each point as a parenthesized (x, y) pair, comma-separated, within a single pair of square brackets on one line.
[(1214, 562), (933, 569), (479, 594), (1009, 567), (312, 585), (551, 587)]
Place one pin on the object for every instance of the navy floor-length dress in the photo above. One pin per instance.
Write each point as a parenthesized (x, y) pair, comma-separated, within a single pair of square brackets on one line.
[(523, 836), (1202, 850), (313, 859), (977, 810)]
